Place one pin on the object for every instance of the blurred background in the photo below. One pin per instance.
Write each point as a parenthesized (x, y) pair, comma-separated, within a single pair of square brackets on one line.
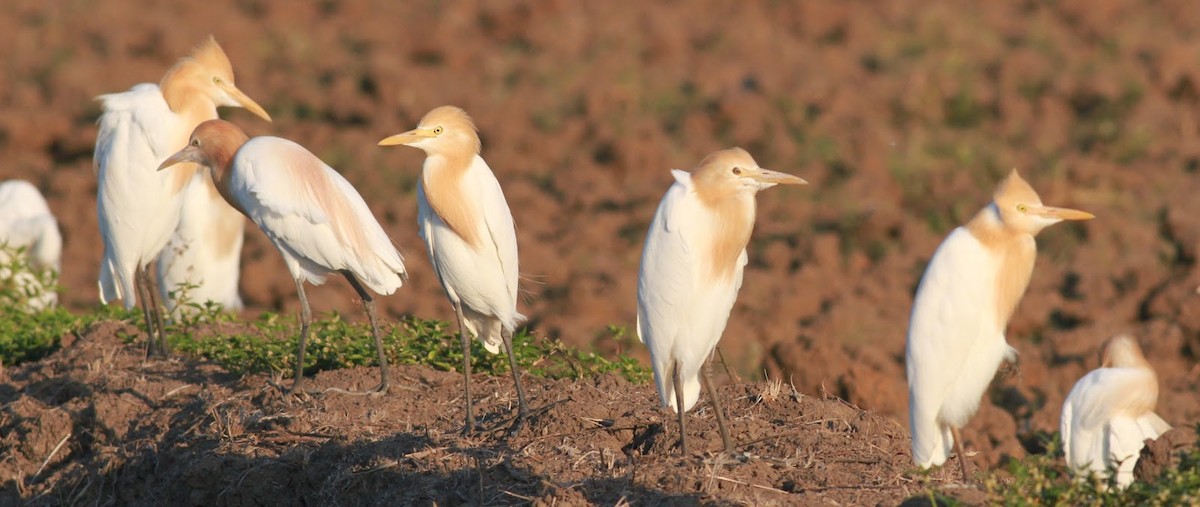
[(902, 115)]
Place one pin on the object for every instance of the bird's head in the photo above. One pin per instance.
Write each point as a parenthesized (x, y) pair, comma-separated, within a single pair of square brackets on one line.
[(1122, 351), (213, 144), (208, 70), (733, 170), (1021, 209), (445, 130)]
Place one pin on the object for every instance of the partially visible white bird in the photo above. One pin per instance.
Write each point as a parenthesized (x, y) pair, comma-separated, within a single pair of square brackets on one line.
[(691, 271), (139, 208), (956, 333), (27, 223), (469, 233), (1110, 413), (204, 253), (315, 218)]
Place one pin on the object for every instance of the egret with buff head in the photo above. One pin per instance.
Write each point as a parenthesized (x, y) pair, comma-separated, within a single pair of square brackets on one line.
[(691, 272), (966, 296), (317, 221)]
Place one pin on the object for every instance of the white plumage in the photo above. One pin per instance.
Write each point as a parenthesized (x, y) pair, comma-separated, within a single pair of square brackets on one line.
[(27, 223), (483, 280), (1109, 415), (204, 252), (956, 332), (470, 237), (681, 313), (691, 271)]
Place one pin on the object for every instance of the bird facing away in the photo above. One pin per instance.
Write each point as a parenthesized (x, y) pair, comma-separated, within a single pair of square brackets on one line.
[(26, 223), (312, 215), (966, 296), (1110, 413), (469, 234), (691, 272), (138, 207)]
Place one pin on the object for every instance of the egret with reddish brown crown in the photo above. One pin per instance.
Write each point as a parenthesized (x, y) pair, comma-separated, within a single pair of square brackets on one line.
[(317, 221), (469, 233), (138, 207), (1110, 413), (27, 223), (692, 270), (967, 294)]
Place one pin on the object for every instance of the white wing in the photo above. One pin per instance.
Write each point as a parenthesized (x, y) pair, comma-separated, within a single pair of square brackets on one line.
[(666, 280), (313, 215), (950, 318), (26, 222), (499, 221), (138, 207), (1099, 428)]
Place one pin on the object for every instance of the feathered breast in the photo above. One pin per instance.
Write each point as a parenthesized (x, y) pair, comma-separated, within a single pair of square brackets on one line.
[(443, 184)]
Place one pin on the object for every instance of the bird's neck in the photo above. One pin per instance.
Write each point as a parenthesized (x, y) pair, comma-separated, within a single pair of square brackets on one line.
[(185, 98), (220, 169), (1016, 252), (442, 181), (732, 215)]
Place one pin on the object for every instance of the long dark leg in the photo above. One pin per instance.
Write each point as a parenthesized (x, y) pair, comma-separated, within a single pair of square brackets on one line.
[(139, 284), (155, 307), (466, 346), (712, 395), (522, 408), (679, 407), (962, 454), (305, 318), (369, 306)]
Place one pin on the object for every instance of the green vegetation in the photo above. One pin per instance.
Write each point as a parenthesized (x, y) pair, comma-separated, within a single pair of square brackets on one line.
[(1042, 479), (268, 344)]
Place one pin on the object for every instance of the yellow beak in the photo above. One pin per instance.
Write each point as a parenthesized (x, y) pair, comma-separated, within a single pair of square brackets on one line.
[(244, 100), (409, 137), (188, 154), (776, 177), (1063, 213)]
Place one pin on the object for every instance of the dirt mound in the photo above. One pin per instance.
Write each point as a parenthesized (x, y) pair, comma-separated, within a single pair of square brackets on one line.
[(95, 423)]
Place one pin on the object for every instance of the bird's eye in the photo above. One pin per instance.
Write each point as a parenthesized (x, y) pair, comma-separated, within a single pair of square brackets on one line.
[(216, 80), (196, 143), (737, 170), (1022, 208), (437, 130)]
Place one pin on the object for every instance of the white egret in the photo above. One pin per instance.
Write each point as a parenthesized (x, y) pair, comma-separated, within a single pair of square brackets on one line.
[(1110, 413), (469, 234), (138, 207), (27, 223), (691, 272), (312, 215), (956, 333)]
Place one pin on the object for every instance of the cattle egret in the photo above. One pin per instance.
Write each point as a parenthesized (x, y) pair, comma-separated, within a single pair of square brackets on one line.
[(1110, 413), (316, 220), (138, 207), (956, 334), (204, 253), (469, 234), (26, 223), (691, 272)]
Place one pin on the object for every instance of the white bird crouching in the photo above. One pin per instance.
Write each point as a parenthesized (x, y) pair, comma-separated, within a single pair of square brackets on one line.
[(691, 272), (27, 223), (969, 290), (1110, 413)]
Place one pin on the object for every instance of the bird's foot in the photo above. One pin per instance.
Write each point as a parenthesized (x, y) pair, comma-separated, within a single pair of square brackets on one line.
[(1010, 370), (516, 425), (469, 429)]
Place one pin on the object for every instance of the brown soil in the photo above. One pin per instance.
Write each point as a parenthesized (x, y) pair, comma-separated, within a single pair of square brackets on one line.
[(903, 119)]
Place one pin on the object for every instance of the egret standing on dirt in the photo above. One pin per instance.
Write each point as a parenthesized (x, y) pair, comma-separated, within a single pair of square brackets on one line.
[(956, 333), (138, 207), (26, 222), (1110, 413), (316, 220), (472, 243), (691, 272)]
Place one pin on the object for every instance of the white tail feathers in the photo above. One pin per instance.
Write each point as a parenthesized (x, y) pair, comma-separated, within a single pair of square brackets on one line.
[(932, 441)]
